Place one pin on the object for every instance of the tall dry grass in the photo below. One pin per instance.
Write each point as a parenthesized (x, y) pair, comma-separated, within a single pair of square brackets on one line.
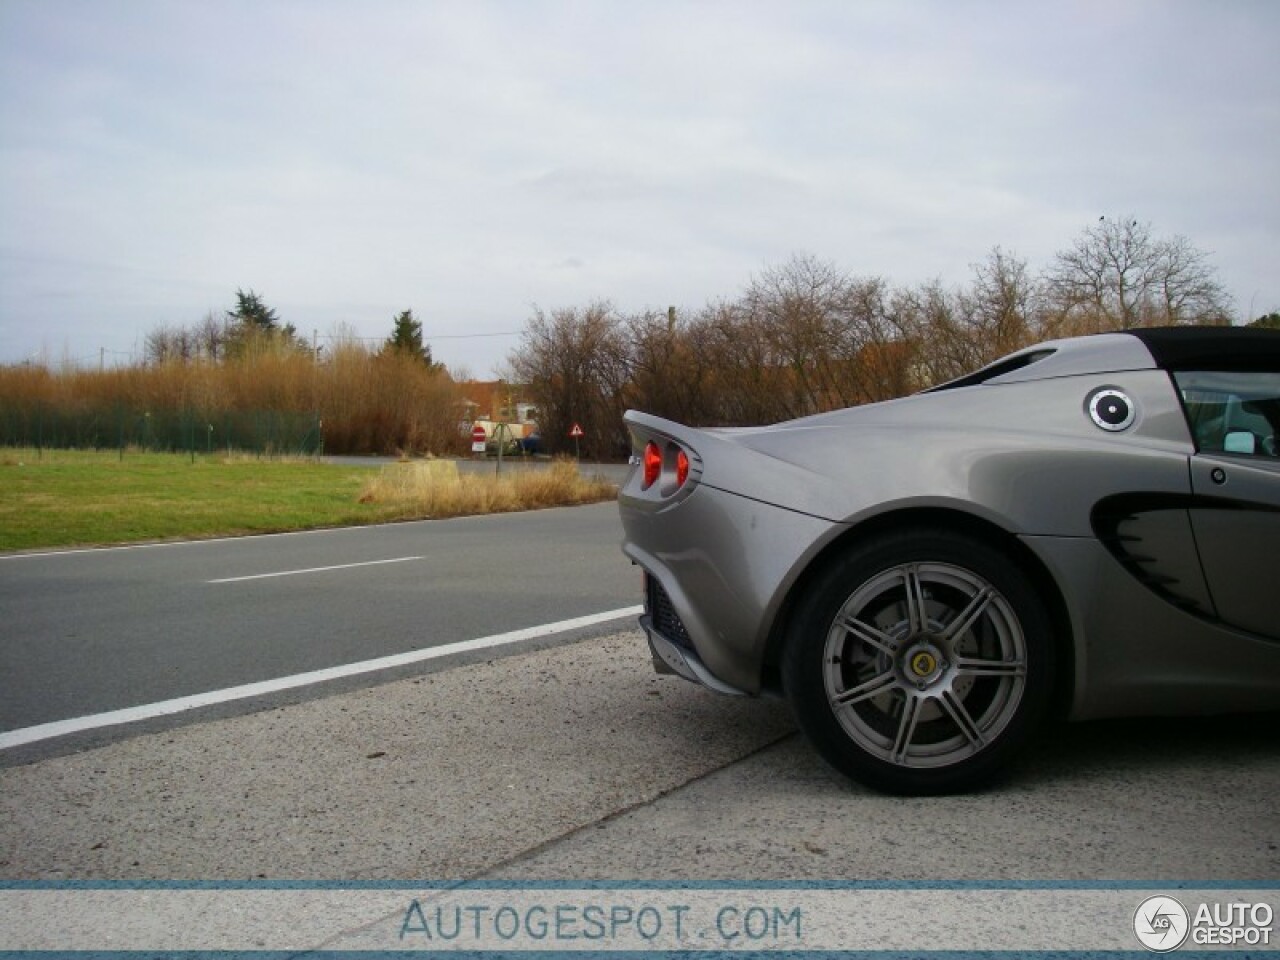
[(366, 402), (437, 489)]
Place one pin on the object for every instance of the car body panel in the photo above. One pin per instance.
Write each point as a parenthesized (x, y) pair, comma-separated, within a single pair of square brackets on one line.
[(925, 448), (1235, 516), (1137, 655), (1124, 522), (1106, 353)]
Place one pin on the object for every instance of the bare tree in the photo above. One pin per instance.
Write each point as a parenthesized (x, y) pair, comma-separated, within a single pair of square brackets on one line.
[(804, 337), (1187, 288), (1002, 305), (575, 363), (877, 346), (167, 344), (744, 383), (158, 346), (956, 331), (1117, 275), (939, 328), (669, 372), (797, 306), (211, 337)]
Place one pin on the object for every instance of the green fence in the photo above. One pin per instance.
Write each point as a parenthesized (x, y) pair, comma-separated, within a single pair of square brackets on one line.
[(265, 432)]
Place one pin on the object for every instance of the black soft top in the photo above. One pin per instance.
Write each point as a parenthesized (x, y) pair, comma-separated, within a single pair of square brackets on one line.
[(1244, 349)]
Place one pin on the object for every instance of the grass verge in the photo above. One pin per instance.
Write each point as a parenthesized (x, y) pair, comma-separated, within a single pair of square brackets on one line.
[(60, 498)]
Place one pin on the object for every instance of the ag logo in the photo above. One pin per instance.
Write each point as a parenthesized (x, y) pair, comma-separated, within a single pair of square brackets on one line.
[(1161, 924)]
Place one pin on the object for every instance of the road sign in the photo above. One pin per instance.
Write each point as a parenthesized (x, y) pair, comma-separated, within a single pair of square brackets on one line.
[(478, 437), (576, 431)]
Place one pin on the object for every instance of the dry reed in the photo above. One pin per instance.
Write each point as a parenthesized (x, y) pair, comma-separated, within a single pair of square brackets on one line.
[(435, 488), (364, 402)]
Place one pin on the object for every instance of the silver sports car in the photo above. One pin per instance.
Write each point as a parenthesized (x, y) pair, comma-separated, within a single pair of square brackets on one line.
[(1089, 527)]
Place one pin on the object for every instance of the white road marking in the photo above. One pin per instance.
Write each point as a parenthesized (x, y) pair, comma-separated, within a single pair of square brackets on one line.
[(60, 728), (161, 544), (319, 531), (294, 573)]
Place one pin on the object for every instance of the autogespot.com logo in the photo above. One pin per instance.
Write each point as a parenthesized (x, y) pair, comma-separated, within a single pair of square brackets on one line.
[(1161, 924)]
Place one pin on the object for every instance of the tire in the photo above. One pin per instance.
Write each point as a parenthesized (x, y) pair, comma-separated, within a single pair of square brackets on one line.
[(920, 662)]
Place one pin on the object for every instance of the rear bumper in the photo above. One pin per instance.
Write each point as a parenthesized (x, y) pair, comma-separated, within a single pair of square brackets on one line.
[(682, 662), (725, 564)]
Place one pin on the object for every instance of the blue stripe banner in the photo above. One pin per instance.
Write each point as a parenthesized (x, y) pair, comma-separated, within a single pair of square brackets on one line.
[(565, 918)]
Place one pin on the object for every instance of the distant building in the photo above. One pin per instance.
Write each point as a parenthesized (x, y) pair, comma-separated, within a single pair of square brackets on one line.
[(488, 402), (497, 400)]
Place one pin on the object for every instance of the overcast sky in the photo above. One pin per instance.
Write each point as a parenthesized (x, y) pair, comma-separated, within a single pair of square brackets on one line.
[(468, 160)]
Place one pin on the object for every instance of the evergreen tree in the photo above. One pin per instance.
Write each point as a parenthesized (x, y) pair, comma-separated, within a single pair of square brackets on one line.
[(253, 314), (253, 326), (406, 338)]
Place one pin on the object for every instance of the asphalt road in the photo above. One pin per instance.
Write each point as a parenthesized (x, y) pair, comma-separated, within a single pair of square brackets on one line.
[(570, 761), (565, 760), (99, 630)]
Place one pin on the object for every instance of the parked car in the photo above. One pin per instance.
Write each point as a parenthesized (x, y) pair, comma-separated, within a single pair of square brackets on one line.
[(1089, 527), (510, 447)]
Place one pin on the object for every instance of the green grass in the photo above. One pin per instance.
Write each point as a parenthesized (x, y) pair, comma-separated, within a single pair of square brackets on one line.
[(58, 498), (61, 498)]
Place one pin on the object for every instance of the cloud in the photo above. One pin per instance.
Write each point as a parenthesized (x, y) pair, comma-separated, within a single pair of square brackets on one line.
[(469, 160)]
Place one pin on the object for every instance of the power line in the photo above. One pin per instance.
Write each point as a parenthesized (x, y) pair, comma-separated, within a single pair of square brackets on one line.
[(471, 336), (439, 336)]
